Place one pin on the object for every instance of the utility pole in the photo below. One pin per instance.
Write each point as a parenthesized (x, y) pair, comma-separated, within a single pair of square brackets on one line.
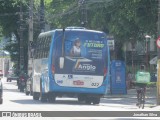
[(83, 12), (30, 41), (31, 21), (42, 21), (21, 66), (158, 78)]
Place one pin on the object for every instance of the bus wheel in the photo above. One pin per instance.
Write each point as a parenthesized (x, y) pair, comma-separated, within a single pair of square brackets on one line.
[(96, 100), (81, 98), (51, 98), (35, 96), (43, 97), (88, 100)]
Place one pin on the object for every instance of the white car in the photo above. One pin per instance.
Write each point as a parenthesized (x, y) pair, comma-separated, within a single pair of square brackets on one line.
[(11, 77)]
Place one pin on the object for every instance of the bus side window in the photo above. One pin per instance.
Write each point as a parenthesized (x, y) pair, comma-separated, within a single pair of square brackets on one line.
[(41, 48), (36, 50), (49, 41), (35, 53), (46, 46)]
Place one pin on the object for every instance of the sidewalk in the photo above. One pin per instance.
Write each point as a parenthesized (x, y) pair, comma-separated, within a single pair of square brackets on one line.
[(131, 93), (151, 97)]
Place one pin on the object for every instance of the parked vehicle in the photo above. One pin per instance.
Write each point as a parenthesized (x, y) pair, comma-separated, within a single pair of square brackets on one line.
[(22, 82), (11, 71), (1, 92), (11, 77)]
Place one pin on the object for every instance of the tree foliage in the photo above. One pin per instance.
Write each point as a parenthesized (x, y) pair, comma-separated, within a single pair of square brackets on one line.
[(133, 19), (126, 20), (10, 23), (61, 13)]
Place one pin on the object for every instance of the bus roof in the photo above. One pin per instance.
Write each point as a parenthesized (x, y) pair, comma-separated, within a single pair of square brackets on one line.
[(70, 29), (86, 30)]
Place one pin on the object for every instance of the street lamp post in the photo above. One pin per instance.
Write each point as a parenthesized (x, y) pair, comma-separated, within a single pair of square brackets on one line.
[(147, 54)]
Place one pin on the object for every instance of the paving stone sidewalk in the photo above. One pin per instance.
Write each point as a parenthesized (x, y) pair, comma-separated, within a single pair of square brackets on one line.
[(131, 93), (151, 97)]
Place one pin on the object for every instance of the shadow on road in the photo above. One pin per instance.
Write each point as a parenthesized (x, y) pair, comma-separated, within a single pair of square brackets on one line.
[(26, 101), (11, 83), (122, 101), (11, 90), (57, 102)]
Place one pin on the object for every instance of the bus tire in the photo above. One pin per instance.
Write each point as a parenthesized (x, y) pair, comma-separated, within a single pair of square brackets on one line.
[(51, 98), (35, 96), (88, 100), (43, 98), (96, 100), (81, 98)]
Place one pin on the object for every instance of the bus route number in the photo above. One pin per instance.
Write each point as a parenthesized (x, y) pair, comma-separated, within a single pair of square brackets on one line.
[(95, 84)]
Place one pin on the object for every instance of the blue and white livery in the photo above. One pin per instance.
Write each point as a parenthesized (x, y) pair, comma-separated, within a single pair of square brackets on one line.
[(73, 62)]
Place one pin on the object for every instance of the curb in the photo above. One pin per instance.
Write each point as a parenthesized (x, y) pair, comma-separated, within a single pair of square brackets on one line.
[(120, 96), (127, 96)]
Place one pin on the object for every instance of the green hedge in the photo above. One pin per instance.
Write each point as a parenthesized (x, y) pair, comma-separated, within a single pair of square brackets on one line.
[(152, 84)]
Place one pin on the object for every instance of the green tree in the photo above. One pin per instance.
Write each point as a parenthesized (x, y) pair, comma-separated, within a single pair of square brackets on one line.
[(126, 20), (61, 13), (10, 22)]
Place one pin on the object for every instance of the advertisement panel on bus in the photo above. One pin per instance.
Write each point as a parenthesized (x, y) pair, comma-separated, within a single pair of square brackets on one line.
[(85, 60)]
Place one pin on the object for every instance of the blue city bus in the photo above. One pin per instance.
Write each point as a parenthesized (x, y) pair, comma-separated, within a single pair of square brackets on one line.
[(73, 62)]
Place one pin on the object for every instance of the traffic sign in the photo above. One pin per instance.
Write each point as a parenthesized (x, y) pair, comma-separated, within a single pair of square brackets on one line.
[(158, 42)]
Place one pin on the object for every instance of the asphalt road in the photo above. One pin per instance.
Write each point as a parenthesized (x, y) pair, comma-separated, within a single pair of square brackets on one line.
[(18, 101), (15, 100)]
